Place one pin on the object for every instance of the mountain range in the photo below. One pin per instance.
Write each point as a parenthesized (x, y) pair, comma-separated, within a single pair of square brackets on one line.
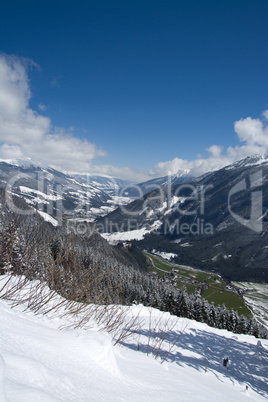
[(217, 222), (55, 193), (111, 185), (135, 190)]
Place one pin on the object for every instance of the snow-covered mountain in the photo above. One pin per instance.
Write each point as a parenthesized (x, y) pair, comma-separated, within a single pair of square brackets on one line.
[(25, 163), (60, 194), (111, 185), (217, 222), (140, 189), (162, 358), (253, 160), (53, 192), (129, 189)]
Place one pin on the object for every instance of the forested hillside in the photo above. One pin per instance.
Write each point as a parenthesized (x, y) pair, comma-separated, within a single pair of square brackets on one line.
[(89, 270)]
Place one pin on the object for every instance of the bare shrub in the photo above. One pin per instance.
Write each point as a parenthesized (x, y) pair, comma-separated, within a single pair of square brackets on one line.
[(162, 335)]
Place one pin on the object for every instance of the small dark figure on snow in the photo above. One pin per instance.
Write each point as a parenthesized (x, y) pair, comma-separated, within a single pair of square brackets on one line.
[(225, 362)]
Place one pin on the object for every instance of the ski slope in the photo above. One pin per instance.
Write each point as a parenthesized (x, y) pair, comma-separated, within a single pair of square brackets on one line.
[(39, 362)]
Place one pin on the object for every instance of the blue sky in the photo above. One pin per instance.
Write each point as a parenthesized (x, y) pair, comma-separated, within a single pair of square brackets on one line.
[(134, 88)]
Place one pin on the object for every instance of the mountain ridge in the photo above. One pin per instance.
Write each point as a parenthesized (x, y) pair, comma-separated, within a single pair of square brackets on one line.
[(207, 222)]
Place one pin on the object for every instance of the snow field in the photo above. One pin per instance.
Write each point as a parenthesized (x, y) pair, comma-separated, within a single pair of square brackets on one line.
[(137, 234), (40, 362)]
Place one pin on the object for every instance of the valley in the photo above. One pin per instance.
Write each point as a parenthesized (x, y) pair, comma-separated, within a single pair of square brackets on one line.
[(217, 222), (210, 285), (138, 289), (198, 265)]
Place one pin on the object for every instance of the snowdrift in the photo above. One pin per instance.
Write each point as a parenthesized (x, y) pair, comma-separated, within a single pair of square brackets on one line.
[(41, 362)]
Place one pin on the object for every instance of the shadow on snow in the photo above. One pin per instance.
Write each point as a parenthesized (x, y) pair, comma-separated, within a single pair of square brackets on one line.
[(247, 363)]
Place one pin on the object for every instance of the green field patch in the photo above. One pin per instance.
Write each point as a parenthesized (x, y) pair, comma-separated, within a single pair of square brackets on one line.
[(159, 265), (189, 287), (166, 266), (231, 300), (215, 292), (159, 272)]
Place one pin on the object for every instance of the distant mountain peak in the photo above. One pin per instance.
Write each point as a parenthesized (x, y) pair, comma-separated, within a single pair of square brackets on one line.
[(24, 163), (256, 159)]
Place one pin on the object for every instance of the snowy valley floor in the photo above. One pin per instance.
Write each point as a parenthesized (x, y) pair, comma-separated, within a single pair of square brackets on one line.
[(40, 362)]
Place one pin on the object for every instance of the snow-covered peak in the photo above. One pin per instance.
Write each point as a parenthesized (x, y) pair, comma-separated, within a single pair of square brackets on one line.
[(25, 163), (257, 159), (182, 172)]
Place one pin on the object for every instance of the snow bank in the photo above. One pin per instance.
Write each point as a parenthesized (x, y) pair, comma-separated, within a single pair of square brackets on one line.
[(42, 363)]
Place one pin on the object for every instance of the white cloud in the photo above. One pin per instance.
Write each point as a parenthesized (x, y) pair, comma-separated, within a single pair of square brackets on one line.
[(10, 151), (18, 123), (215, 150), (252, 133), (265, 114), (25, 133), (64, 152)]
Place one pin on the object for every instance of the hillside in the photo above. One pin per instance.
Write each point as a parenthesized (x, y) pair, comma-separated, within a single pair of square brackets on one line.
[(40, 362)]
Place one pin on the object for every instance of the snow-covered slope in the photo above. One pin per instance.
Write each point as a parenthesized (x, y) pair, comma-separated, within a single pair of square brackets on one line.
[(40, 362)]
